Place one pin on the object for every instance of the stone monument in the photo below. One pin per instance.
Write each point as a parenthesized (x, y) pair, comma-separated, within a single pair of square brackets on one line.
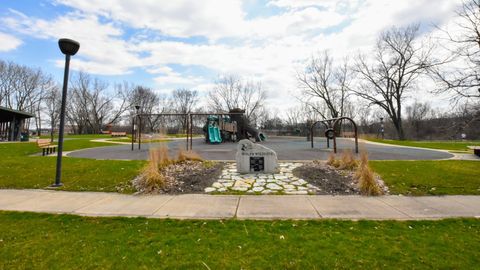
[(255, 158)]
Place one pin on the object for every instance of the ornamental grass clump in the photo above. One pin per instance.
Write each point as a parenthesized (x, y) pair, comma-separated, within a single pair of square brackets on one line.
[(152, 179), (366, 178), (347, 161), (333, 161), (184, 155)]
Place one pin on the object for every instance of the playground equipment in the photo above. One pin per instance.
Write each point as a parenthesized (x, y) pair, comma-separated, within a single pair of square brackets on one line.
[(232, 127), (220, 127), (330, 131)]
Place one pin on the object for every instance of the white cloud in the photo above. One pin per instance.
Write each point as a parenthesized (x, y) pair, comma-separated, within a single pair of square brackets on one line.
[(102, 49), (268, 49), (302, 3), (180, 18), (8, 42)]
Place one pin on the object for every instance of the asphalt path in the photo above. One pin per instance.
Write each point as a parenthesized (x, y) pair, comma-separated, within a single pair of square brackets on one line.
[(287, 148)]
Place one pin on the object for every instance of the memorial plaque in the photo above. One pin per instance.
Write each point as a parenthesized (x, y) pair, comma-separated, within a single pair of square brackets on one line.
[(252, 157), (257, 164)]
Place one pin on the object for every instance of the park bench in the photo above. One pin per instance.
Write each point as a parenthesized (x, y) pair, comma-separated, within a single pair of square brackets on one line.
[(118, 134), (46, 146), (476, 150)]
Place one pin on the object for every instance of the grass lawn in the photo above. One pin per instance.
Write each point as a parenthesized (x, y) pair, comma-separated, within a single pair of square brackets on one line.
[(445, 145), (20, 170), (75, 142), (436, 177), (44, 241)]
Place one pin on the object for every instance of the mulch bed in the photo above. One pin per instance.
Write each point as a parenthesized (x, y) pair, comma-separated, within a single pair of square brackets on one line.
[(330, 180), (189, 177), (192, 176)]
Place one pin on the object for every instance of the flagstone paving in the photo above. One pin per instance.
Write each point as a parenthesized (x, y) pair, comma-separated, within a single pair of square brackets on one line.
[(283, 182)]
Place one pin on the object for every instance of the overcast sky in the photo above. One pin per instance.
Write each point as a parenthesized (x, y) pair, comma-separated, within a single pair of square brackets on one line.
[(168, 44)]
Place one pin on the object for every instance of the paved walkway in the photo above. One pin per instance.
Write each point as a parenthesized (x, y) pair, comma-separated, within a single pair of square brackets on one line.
[(196, 206)]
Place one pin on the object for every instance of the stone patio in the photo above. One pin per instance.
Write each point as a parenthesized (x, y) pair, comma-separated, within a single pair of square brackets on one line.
[(282, 182)]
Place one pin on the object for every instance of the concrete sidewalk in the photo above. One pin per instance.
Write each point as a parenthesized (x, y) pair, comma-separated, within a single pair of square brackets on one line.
[(197, 206)]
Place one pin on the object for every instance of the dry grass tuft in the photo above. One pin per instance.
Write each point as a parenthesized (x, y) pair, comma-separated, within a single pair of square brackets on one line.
[(160, 156), (366, 178), (363, 162), (188, 155), (333, 161), (152, 179), (347, 161)]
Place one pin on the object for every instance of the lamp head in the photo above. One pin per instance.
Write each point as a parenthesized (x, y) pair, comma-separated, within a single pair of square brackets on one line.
[(137, 107), (68, 46)]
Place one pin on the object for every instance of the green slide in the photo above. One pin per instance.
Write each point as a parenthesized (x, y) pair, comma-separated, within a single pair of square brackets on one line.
[(214, 134)]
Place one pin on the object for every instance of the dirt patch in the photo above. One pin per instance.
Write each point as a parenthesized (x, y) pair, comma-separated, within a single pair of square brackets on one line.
[(330, 180), (186, 177)]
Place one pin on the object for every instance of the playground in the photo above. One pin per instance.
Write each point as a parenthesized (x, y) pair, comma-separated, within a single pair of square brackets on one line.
[(287, 148)]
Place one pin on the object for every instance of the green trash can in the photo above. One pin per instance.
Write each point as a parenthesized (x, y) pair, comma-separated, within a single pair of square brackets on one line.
[(24, 137)]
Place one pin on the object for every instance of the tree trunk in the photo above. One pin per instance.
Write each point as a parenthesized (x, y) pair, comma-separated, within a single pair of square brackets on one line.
[(397, 123)]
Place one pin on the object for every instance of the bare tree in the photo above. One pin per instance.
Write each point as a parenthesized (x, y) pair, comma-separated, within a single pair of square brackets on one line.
[(20, 86), (323, 82), (463, 80), (417, 112), (231, 92), (398, 61), (91, 106), (52, 100), (151, 104), (184, 101), (294, 116)]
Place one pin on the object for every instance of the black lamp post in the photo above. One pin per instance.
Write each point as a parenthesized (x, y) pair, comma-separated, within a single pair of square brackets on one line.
[(137, 108), (382, 128), (68, 47), (134, 131)]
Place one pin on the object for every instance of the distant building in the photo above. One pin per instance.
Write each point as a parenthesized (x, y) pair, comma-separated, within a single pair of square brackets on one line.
[(12, 123)]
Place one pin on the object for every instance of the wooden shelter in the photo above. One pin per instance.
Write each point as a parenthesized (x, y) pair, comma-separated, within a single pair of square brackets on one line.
[(12, 123)]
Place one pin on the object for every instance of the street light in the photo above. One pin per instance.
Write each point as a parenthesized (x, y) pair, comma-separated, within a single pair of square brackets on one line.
[(137, 108), (382, 128), (68, 47)]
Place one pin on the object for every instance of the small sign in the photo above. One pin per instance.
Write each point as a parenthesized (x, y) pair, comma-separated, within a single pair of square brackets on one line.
[(257, 164)]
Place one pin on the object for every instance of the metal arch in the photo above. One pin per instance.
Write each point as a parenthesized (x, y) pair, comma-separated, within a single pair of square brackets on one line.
[(327, 126), (336, 120)]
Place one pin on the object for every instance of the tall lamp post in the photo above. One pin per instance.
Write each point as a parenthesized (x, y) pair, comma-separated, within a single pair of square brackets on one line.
[(382, 128), (134, 130), (139, 127), (68, 47)]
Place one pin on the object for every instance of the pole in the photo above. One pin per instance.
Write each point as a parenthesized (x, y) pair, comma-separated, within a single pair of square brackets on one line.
[(382, 128), (311, 133), (133, 131), (58, 175), (191, 132), (139, 131), (186, 129)]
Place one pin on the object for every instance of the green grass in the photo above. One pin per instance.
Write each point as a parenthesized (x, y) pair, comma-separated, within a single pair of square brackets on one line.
[(75, 142), (43, 241), (435, 177), (80, 136), (445, 145), (20, 170)]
